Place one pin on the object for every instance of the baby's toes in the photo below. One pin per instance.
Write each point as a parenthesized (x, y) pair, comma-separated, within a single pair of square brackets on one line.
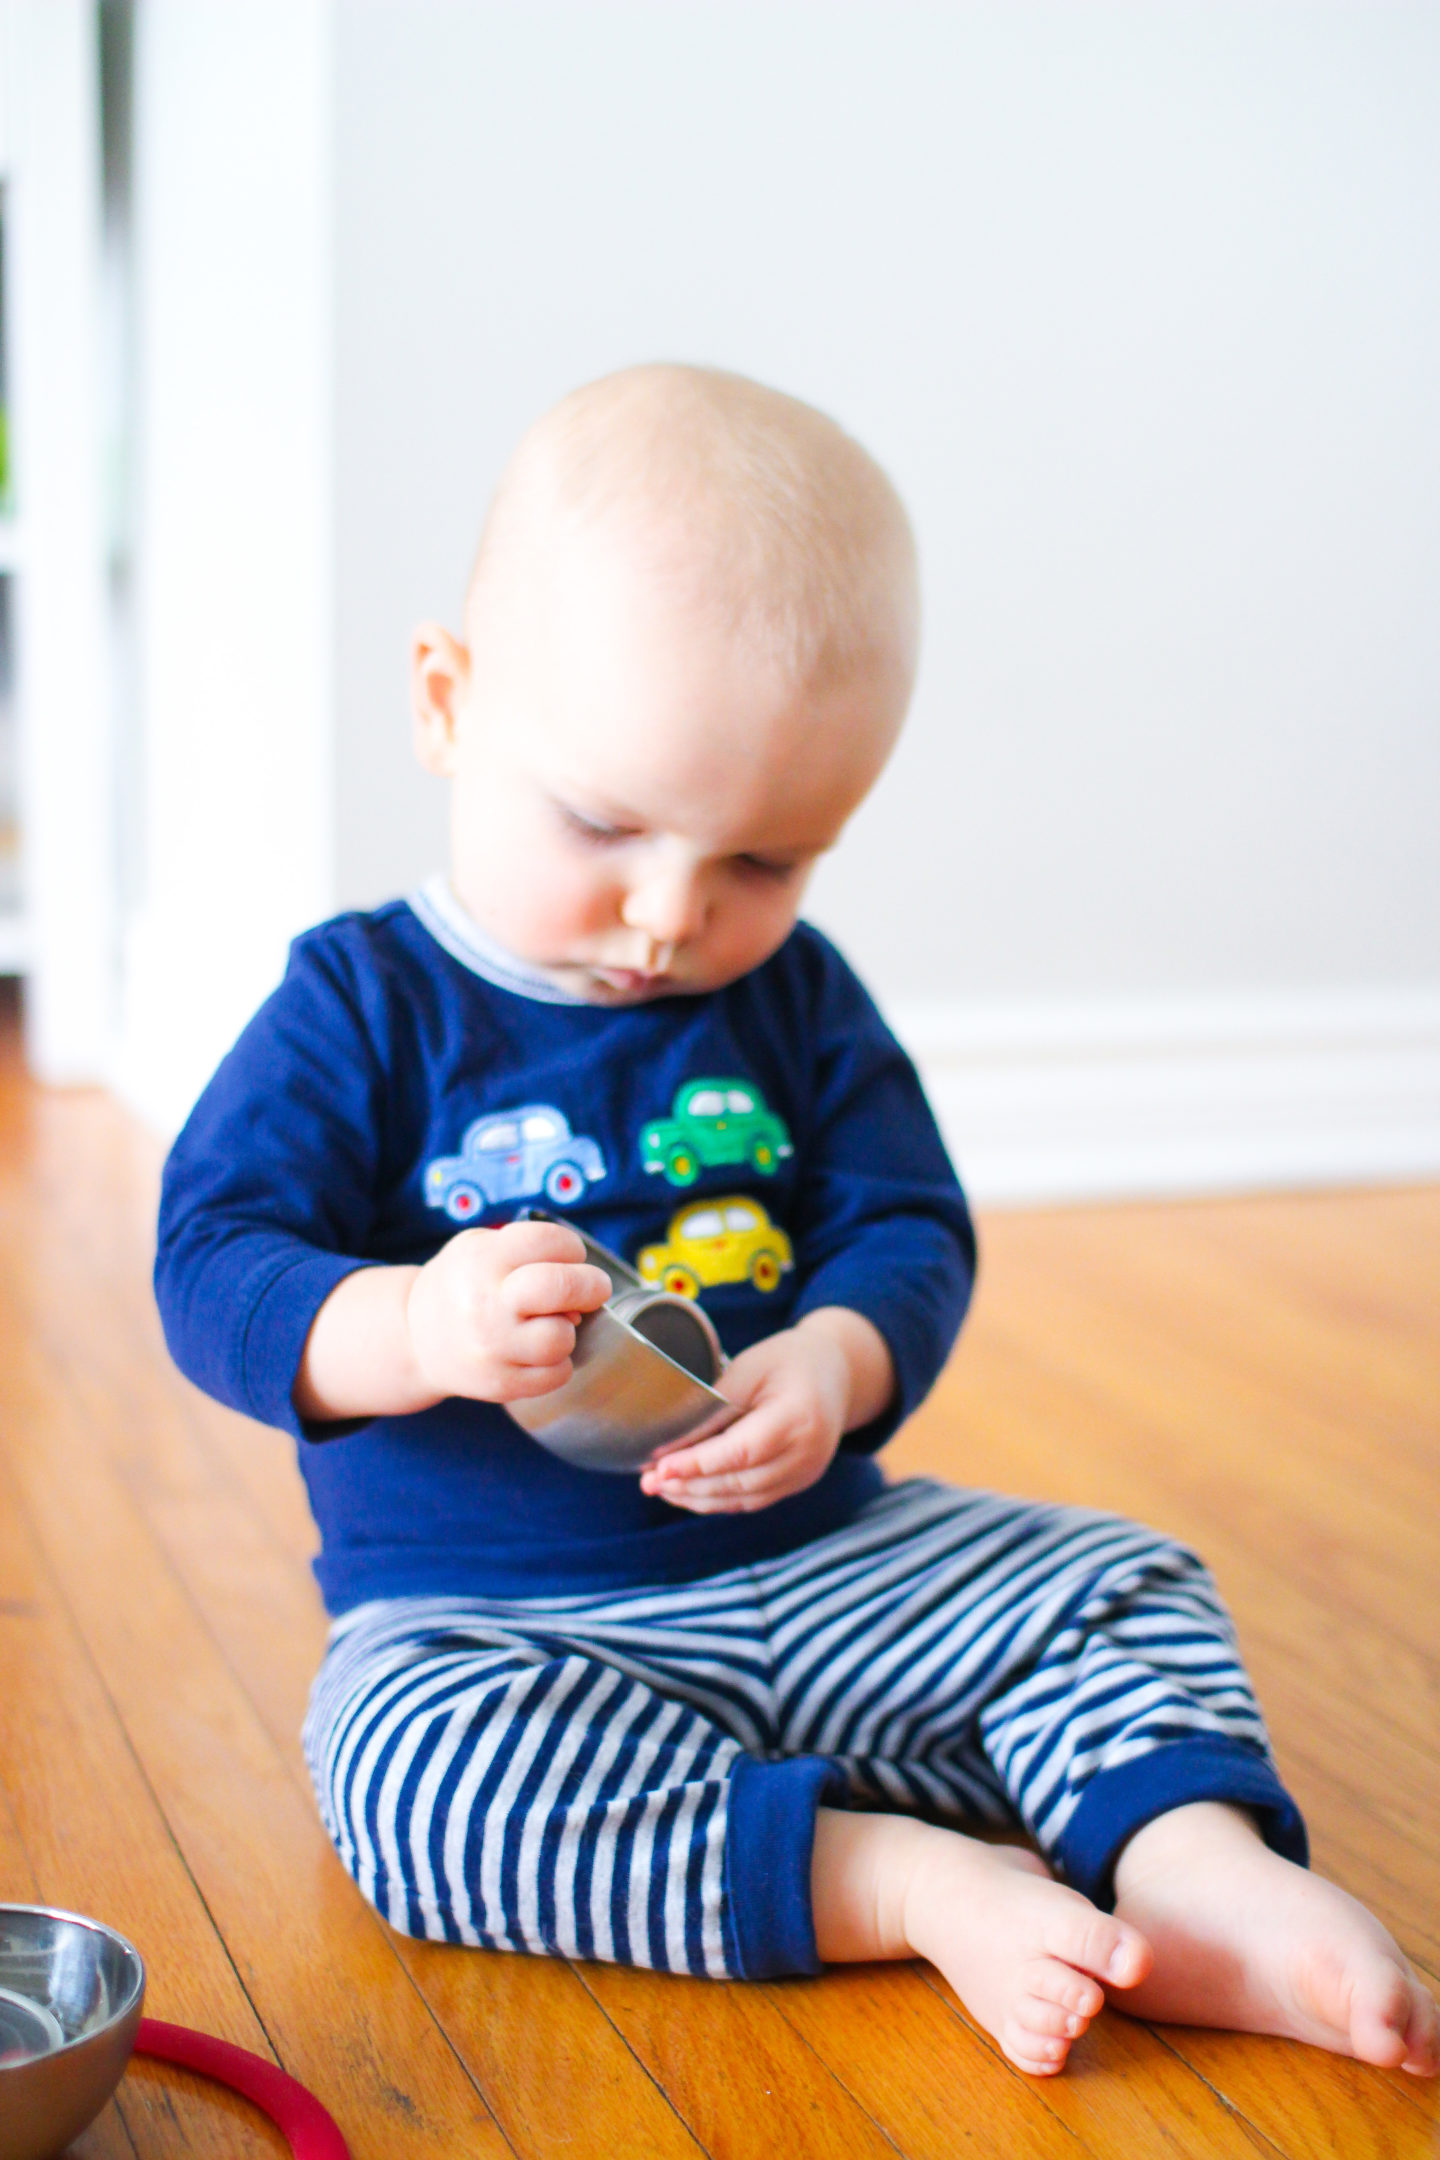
[(1409, 2020), (1096, 1942), (1071, 1992), (1041, 2054), (1047, 2020), (1382, 2011), (1422, 2035)]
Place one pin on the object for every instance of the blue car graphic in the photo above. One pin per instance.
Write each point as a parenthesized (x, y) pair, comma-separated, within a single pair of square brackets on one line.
[(512, 1155)]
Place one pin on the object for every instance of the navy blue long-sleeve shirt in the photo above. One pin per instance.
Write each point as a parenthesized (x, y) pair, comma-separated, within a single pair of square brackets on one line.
[(767, 1143)]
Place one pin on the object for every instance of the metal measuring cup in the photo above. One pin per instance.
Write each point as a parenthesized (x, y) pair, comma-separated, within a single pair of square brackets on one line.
[(643, 1368)]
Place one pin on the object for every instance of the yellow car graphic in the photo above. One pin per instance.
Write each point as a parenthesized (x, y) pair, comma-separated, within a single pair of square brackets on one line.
[(718, 1241)]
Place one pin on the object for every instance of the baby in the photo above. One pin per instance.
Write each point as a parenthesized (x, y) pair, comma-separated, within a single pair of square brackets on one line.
[(722, 1718)]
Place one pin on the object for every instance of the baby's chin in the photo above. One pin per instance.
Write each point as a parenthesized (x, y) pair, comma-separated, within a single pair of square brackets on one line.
[(689, 975), (625, 986), (598, 985)]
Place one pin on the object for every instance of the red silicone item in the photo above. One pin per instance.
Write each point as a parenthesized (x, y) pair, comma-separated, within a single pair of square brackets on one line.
[(296, 2112)]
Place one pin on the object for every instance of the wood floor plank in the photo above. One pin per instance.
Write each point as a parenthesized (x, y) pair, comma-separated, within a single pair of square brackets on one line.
[(1293, 1334), (1008, 1423), (560, 2079), (260, 1602), (170, 2110), (1362, 1344), (261, 1462), (1007, 1444), (1162, 1285), (1334, 1751), (736, 2071), (1345, 1398), (1305, 1654), (1376, 1551), (1315, 2105), (1368, 1257), (516, 2024), (123, 1162), (1362, 1754), (1292, 1311), (18, 1882), (173, 1490), (218, 1530), (95, 1842), (933, 2085), (64, 1249), (1125, 2091), (339, 2007), (1346, 1776), (107, 2138), (1260, 1377)]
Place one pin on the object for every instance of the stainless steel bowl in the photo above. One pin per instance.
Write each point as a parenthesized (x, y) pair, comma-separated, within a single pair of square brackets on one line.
[(643, 1367), (71, 1992)]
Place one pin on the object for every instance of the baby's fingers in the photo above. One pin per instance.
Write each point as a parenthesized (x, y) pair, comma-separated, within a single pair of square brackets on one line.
[(544, 1287), (740, 1492), (548, 1341), (737, 1469), (742, 1446), (524, 1381)]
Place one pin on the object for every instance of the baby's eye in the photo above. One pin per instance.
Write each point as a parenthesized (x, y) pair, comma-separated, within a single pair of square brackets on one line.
[(764, 866), (595, 830)]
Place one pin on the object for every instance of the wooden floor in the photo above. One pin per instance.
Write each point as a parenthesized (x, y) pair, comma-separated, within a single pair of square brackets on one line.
[(1262, 1377)]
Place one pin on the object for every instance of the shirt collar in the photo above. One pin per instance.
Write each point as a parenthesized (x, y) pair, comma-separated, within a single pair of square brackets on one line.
[(462, 937)]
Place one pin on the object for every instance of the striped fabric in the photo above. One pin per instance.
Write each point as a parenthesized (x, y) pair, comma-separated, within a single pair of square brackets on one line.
[(559, 1775)]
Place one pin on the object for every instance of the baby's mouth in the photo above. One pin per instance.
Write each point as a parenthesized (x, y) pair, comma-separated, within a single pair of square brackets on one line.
[(631, 982)]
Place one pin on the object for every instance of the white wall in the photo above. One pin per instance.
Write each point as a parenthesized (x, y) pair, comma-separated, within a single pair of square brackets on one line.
[(1140, 304)]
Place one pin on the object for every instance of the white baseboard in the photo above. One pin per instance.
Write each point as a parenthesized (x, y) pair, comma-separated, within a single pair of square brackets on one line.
[(1137, 1099)]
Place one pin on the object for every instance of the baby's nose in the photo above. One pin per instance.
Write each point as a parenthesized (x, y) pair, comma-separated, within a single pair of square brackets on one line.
[(669, 905)]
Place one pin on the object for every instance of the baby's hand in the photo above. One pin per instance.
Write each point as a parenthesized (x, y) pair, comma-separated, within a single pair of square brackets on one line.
[(795, 1389), (493, 1315)]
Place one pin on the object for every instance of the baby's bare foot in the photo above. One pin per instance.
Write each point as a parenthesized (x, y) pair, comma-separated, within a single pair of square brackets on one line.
[(1247, 1940), (1025, 1955)]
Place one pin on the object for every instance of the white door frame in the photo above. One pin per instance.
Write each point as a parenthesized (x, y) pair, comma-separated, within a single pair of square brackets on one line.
[(49, 146)]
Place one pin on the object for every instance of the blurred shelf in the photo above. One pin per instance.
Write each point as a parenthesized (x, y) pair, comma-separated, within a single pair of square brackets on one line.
[(14, 942)]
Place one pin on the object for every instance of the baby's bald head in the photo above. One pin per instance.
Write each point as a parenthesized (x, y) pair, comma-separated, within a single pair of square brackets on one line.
[(746, 507), (690, 640)]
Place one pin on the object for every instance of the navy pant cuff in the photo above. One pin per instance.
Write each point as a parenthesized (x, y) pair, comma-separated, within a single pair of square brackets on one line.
[(1116, 1803), (769, 1848)]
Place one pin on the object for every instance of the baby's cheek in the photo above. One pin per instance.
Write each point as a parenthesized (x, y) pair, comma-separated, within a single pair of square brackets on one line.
[(753, 925), (547, 909), (577, 905)]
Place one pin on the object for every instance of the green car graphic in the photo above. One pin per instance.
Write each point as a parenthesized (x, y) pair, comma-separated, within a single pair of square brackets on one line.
[(715, 1124)]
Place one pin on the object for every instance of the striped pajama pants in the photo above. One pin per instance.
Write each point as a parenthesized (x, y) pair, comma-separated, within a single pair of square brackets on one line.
[(634, 1776)]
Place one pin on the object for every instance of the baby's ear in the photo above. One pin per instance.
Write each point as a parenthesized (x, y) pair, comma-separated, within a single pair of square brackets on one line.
[(439, 678)]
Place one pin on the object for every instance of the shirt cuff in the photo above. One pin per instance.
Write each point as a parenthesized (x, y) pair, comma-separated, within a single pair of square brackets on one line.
[(275, 1337)]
